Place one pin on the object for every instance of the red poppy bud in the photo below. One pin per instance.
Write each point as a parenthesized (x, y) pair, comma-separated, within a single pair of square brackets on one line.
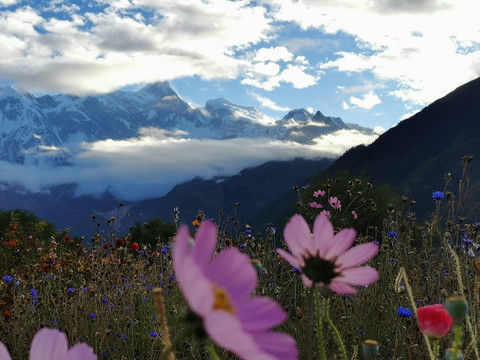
[(134, 247), (434, 320)]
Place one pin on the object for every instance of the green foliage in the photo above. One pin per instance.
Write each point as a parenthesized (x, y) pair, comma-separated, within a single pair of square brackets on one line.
[(23, 240), (361, 205), (109, 294), (153, 232)]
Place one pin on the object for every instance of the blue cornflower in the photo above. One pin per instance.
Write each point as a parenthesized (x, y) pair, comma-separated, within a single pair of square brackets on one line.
[(164, 250), (104, 300), (171, 277), (34, 293), (404, 312), (392, 234), (153, 334), (92, 316), (438, 195), (7, 278), (296, 270), (70, 290)]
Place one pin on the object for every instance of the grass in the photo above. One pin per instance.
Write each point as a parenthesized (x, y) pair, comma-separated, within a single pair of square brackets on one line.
[(104, 297)]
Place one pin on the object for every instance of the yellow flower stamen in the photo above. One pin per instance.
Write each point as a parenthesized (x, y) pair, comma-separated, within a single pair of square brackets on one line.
[(222, 300)]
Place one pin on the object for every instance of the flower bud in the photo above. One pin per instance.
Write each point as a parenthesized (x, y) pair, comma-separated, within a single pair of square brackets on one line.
[(449, 355), (476, 265), (257, 264), (457, 307), (370, 349), (434, 321)]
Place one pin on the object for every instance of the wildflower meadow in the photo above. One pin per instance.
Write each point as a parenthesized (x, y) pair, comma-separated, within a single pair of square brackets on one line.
[(352, 273)]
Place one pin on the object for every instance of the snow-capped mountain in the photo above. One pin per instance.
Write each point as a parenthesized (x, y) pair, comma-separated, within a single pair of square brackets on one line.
[(51, 128)]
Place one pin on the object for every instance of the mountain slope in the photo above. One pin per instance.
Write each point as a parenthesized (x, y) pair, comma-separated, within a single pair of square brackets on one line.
[(415, 155), (252, 188), (51, 128)]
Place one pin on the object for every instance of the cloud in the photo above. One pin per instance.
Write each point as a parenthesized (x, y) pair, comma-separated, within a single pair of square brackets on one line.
[(152, 163), (368, 101), (273, 54), (8, 2), (396, 42), (268, 103), (115, 44)]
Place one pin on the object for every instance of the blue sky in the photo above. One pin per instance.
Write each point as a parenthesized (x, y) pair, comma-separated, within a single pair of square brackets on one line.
[(372, 62)]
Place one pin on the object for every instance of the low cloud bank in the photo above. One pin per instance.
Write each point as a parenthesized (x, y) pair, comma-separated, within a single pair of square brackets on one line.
[(154, 162)]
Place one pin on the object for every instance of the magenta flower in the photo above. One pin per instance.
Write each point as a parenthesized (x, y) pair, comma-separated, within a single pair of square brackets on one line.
[(326, 213), (218, 290), (355, 215), (318, 193), (52, 344), (323, 257), (315, 205), (334, 202)]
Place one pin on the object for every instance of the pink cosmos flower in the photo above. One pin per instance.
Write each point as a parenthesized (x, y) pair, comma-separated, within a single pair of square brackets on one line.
[(318, 193), (355, 216), (334, 202), (326, 214), (323, 257), (434, 320), (315, 205), (219, 291), (52, 344)]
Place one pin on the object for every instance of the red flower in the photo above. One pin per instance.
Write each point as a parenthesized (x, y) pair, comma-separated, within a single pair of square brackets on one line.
[(67, 238), (120, 242), (434, 321), (134, 247)]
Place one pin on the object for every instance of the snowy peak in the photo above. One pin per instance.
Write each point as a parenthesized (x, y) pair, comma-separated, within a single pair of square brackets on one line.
[(303, 117), (222, 107), (31, 127), (298, 115), (158, 89)]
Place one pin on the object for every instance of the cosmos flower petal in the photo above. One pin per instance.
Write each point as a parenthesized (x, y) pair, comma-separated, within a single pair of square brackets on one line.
[(4, 354), (196, 287), (364, 275), (287, 256), (205, 242), (341, 288), (322, 234), (281, 346), (226, 330), (180, 247), (233, 270), (306, 281), (341, 242), (80, 352), (297, 235), (49, 344), (357, 255), (261, 314)]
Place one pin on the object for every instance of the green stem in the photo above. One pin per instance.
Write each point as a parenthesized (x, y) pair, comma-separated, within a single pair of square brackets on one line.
[(458, 333), (211, 350), (321, 345), (341, 346), (435, 348)]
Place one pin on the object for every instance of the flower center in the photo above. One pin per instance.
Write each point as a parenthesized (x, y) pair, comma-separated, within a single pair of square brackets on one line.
[(222, 300), (319, 270)]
